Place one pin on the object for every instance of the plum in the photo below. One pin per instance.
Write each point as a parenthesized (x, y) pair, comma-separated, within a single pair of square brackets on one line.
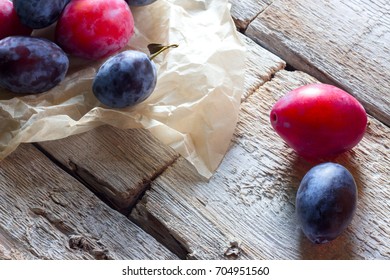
[(39, 14), (30, 64), (94, 29), (326, 202), (127, 78), (10, 23), (319, 120)]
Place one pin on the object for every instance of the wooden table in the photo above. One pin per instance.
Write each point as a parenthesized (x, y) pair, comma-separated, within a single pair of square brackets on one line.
[(115, 194)]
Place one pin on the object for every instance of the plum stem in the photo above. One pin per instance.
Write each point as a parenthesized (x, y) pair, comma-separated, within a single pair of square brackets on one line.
[(162, 49)]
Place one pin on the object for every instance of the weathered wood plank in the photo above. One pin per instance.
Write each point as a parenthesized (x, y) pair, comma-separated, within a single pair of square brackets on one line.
[(244, 11), (247, 209), (346, 43), (260, 66), (11, 249), (47, 214), (116, 164)]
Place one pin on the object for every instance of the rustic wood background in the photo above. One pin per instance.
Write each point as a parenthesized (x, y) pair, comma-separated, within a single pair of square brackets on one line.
[(116, 194)]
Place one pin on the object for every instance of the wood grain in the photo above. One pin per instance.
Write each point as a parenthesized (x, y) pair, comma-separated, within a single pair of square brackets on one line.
[(115, 164), (244, 11), (346, 43), (246, 211), (260, 66), (47, 214)]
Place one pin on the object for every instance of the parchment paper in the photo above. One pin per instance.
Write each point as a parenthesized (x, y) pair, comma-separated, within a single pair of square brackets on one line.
[(194, 107)]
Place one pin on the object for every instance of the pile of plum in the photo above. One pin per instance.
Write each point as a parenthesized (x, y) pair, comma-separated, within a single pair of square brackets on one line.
[(320, 121), (89, 29)]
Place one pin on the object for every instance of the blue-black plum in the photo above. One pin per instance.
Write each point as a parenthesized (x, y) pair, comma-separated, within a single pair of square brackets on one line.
[(38, 14), (140, 2), (125, 79), (326, 202), (30, 64)]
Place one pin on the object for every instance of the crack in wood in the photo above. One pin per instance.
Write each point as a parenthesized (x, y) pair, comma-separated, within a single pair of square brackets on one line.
[(150, 224), (158, 230), (258, 14), (240, 7), (147, 183), (109, 196)]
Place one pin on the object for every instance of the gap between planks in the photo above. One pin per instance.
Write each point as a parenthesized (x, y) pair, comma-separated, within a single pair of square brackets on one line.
[(72, 171)]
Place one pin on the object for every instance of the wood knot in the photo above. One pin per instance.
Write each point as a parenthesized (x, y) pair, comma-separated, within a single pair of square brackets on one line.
[(233, 251), (85, 244)]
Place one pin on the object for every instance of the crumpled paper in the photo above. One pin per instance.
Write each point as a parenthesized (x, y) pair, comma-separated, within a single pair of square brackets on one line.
[(193, 109)]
